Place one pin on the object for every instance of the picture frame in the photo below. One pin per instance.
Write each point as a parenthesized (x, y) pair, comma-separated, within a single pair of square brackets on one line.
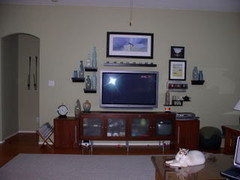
[(130, 45), (177, 70), (177, 52)]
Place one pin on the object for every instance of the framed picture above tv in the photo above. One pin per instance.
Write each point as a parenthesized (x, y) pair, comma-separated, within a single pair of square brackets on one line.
[(177, 70), (130, 45)]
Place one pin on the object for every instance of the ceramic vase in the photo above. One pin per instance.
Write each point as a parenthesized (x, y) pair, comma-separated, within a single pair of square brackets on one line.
[(195, 74), (86, 106), (88, 83), (81, 70), (77, 109)]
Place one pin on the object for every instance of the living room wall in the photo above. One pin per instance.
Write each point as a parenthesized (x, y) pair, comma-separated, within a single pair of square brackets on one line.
[(67, 34)]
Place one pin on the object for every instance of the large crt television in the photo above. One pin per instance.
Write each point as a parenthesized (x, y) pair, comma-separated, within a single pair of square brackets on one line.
[(129, 89)]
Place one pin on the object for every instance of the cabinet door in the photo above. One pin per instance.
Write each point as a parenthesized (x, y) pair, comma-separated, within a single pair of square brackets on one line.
[(187, 134), (230, 140), (66, 133), (140, 128), (92, 127), (116, 128)]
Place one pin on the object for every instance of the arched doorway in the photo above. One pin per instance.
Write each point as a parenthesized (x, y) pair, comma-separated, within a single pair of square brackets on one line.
[(20, 84)]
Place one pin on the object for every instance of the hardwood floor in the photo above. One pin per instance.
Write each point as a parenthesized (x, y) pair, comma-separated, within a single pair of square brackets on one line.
[(28, 143)]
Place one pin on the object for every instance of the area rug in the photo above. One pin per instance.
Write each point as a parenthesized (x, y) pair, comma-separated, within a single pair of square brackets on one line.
[(78, 167)]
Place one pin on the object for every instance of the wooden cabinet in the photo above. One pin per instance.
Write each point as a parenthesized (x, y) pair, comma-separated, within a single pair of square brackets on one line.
[(126, 126), (187, 134), (66, 133), (231, 134)]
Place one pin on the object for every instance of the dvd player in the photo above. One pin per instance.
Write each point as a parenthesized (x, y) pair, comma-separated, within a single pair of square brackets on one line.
[(185, 116)]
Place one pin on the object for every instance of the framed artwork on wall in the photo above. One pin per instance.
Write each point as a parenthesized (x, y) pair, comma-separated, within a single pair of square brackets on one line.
[(177, 70), (130, 45), (177, 52)]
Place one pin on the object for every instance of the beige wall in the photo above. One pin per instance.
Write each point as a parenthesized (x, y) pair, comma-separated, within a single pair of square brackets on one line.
[(28, 100), (9, 86), (67, 34)]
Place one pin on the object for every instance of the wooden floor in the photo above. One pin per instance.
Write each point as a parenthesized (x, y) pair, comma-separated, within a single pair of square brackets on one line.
[(28, 143)]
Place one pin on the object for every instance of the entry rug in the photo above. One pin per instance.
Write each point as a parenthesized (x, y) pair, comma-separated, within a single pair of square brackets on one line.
[(78, 167)]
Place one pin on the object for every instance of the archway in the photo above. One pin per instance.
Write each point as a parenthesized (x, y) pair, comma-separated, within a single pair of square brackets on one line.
[(20, 84)]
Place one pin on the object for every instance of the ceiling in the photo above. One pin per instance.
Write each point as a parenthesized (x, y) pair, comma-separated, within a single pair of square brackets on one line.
[(206, 5)]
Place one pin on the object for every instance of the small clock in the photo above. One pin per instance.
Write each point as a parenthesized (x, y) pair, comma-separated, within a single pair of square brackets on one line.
[(62, 110)]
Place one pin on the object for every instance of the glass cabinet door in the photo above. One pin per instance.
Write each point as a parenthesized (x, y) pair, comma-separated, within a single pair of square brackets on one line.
[(116, 127), (140, 127), (92, 127), (164, 127)]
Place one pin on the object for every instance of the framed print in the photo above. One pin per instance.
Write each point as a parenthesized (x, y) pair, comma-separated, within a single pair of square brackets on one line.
[(177, 70), (130, 45), (177, 52)]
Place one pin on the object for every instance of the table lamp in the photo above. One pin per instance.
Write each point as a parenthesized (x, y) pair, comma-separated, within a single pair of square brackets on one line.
[(237, 107)]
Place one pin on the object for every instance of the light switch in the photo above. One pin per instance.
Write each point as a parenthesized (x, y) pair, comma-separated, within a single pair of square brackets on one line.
[(51, 83)]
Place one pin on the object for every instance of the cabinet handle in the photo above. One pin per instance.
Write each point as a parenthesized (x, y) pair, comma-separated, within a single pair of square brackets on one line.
[(178, 140), (75, 134)]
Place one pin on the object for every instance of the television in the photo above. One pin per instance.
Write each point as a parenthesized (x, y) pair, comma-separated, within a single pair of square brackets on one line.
[(129, 89)]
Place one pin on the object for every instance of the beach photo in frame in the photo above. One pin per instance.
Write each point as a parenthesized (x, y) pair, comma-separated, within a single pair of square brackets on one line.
[(177, 70), (177, 52), (130, 45)]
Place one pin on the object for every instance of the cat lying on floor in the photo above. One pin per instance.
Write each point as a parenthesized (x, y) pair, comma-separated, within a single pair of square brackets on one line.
[(185, 158)]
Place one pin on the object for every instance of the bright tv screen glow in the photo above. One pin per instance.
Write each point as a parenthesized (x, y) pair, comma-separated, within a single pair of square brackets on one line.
[(130, 89)]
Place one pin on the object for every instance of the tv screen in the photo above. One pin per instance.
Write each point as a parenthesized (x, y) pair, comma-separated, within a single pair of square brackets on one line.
[(130, 89)]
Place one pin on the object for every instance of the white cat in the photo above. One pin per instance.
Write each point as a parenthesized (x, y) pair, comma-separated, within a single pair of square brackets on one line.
[(185, 158)]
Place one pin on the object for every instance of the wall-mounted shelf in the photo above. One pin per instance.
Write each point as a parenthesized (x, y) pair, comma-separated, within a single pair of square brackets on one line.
[(197, 82), (77, 79), (131, 64), (90, 90), (90, 69)]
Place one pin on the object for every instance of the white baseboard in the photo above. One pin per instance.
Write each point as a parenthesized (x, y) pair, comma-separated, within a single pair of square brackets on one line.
[(26, 131), (1, 142), (10, 136)]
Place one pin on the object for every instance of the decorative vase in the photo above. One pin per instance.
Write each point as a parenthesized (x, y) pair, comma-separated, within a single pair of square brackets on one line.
[(94, 81), (88, 82), (195, 74), (167, 98), (94, 57), (200, 75), (86, 106), (77, 109), (81, 70)]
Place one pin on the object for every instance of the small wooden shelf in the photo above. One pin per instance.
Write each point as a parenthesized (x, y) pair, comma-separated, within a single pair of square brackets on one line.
[(90, 90), (90, 69), (131, 64), (77, 79), (197, 82)]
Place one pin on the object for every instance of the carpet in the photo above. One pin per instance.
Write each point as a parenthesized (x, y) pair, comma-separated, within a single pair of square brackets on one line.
[(78, 167)]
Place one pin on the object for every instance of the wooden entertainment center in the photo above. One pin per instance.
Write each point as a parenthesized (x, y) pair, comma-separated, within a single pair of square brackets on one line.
[(126, 126)]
